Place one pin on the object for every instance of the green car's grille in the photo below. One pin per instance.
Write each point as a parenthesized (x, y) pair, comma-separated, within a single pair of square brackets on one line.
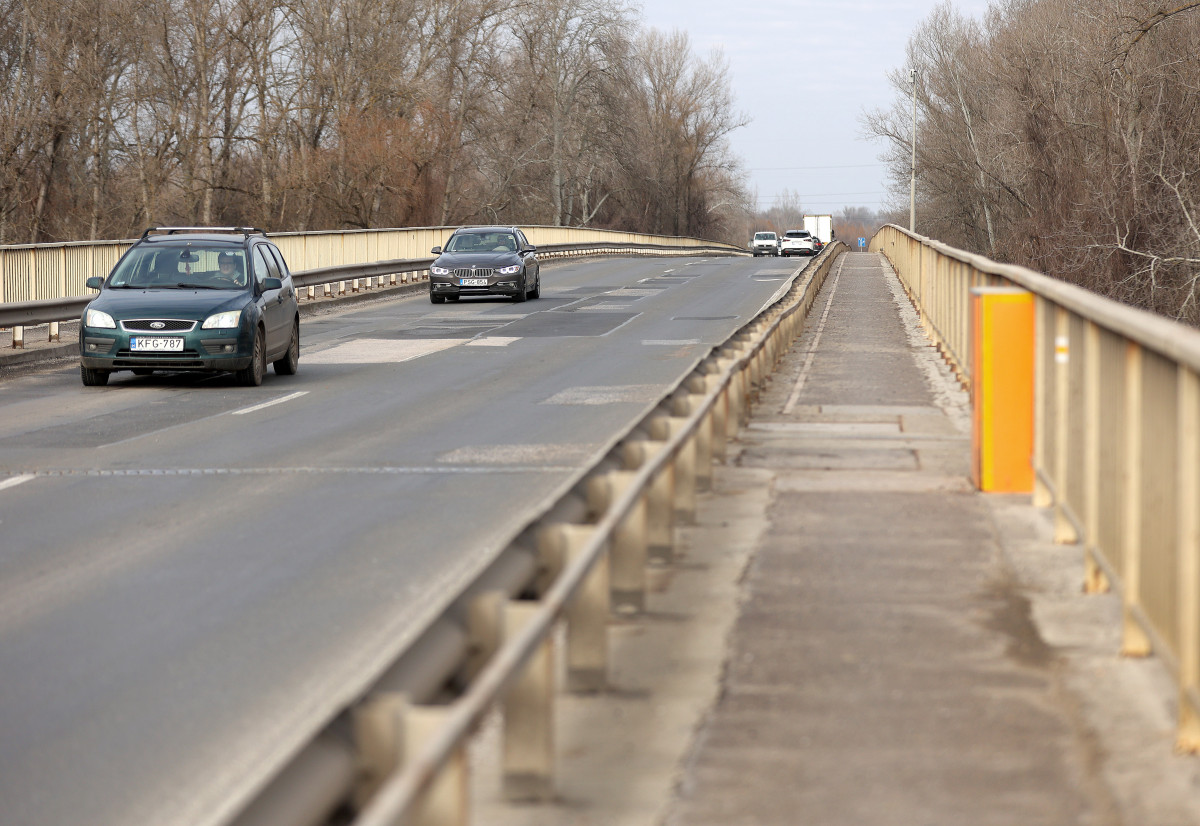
[(158, 325)]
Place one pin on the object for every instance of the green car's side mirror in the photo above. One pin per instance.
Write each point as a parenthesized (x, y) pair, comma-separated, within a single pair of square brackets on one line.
[(94, 283), (436, 251)]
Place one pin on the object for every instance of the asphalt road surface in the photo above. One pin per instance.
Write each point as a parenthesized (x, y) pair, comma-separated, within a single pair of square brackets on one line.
[(195, 576)]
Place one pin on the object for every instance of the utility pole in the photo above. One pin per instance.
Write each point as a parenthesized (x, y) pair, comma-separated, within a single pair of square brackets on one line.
[(912, 169)]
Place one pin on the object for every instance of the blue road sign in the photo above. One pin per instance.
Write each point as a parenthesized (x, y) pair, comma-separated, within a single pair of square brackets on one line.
[(862, 242)]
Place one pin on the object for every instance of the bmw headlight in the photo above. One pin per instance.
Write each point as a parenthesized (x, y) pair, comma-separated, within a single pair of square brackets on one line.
[(509, 270), (222, 321), (95, 318), (438, 271)]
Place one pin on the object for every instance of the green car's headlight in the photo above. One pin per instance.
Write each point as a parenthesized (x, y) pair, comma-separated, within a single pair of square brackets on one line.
[(222, 321), (95, 318)]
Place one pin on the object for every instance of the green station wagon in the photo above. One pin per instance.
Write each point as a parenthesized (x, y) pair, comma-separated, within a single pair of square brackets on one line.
[(205, 299)]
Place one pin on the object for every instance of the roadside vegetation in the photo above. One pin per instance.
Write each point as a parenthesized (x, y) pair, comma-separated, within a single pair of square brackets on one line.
[(323, 114), (1063, 135)]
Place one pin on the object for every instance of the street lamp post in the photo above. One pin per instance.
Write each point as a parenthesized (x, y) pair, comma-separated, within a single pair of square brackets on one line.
[(912, 169)]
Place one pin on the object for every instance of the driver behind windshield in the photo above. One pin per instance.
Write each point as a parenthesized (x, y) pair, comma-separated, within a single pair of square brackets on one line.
[(230, 270)]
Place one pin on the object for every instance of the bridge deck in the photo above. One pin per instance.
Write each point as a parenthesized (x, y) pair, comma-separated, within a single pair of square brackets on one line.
[(900, 649)]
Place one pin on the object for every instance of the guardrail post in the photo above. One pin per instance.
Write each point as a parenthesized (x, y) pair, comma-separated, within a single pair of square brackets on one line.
[(587, 617), (666, 427), (659, 498), (378, 737), (447, 801), (485, 627), (720, 419), (388, 732), (704, 433), (1188, 544), (18, 337), (627, 553), (529, 717), (54, 336)]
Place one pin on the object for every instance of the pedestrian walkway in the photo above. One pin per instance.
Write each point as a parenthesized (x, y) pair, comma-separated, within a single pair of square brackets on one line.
[(855, 637)]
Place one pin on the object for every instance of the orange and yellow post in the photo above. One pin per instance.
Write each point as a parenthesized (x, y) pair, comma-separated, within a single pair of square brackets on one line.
[(1002, 363)]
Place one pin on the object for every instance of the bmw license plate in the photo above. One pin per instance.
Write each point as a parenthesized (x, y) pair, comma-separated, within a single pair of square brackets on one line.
[(473, 282), (157, 344)]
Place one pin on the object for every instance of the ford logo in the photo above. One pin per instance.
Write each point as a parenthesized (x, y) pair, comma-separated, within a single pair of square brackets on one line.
[(157, 325)]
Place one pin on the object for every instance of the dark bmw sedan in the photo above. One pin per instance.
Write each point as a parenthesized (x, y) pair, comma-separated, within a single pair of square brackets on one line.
[(485, 261), (193, 298)]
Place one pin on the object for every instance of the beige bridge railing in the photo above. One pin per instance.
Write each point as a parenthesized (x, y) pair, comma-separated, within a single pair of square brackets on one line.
[(35, 272), (1116, 439)]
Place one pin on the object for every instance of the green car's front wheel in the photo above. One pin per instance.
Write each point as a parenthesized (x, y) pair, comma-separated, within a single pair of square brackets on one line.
[(93, 378), (252, 375)]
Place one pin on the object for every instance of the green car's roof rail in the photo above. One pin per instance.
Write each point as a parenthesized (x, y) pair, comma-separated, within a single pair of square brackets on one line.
[(246, 231)]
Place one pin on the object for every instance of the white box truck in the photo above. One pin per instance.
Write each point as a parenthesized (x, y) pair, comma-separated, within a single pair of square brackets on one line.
[(820, 226)]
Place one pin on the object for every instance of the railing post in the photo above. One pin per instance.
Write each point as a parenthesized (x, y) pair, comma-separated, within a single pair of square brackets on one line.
[(1095, 582), (529, 716), (1134, 642), (1064, 531)]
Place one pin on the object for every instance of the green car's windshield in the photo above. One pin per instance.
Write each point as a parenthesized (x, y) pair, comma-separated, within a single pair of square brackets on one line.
[(482, 242), (187, 267)]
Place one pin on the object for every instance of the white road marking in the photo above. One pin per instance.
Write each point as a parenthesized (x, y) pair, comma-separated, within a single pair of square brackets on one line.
[(669, 342), (636, 393), (271, 403), (812, 347), (492, 341), (16, 480), (549, 455), (381, 351)]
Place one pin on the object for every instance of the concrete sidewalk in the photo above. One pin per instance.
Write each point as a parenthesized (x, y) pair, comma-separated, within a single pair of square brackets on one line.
[(854, 636)]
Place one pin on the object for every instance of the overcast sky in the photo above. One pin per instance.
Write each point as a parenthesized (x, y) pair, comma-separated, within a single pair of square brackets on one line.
[(804, 71)]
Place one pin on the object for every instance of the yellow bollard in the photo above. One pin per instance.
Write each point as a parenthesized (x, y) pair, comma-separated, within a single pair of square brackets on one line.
[(1002, 339)]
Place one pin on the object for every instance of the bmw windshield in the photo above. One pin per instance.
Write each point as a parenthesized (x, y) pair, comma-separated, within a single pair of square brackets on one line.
[(482, 242)]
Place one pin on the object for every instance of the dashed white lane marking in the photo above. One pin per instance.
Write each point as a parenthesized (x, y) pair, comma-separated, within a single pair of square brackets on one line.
[(271, 403), (381, 351), (492, 341), (637, 393), (669, 342), (544, 455), (15, 480), (812, 347)]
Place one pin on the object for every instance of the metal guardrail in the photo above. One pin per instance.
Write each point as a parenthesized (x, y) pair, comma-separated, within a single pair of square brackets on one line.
[(1116, 440), (397, 753)]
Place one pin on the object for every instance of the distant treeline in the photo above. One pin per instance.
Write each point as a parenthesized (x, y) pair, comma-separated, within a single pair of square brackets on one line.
[(1062, 135), (326, 114)]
